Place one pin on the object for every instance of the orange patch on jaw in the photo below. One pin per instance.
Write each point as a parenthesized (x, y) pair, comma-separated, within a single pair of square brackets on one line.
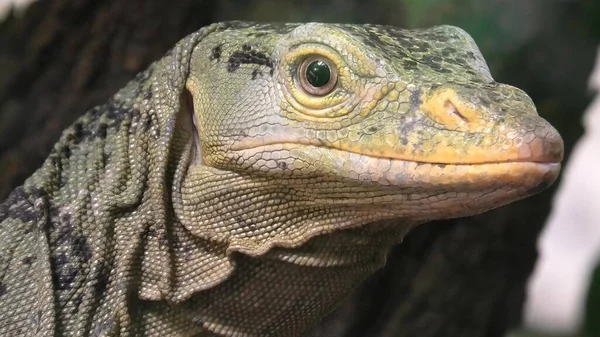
[(452, 154)]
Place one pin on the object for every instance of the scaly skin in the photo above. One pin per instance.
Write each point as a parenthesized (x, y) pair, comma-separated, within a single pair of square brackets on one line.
[(216, 195)]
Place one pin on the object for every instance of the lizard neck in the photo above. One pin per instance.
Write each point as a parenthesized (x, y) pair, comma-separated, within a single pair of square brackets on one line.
[(288, 291), (257, 237)]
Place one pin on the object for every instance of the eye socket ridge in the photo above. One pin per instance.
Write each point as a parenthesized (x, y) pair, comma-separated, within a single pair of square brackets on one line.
[(317, 75)]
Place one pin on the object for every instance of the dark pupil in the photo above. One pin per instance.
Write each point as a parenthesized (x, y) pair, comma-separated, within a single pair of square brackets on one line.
[(318, 74)]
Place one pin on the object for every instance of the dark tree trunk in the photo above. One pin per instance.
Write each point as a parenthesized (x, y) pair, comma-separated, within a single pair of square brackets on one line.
[(462, 278)]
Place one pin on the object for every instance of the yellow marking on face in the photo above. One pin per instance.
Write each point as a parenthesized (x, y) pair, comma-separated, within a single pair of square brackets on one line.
[(450, 110)]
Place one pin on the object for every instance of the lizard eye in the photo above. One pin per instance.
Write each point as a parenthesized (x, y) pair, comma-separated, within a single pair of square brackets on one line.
[(318, 75)]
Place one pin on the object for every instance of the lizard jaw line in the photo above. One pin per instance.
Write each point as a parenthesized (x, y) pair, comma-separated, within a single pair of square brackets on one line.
[(521, 174), (296, 145)]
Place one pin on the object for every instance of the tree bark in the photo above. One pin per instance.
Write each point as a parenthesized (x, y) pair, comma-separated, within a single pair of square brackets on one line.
[(462, 277)]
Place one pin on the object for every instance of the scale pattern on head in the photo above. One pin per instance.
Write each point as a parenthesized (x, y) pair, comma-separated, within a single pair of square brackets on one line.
[(412, 96)]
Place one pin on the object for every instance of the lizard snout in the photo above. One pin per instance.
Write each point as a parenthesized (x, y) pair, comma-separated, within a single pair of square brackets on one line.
[(542, 144), (499, 125)]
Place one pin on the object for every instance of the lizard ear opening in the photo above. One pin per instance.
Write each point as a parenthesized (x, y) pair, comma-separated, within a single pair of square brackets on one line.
[(187, 107)]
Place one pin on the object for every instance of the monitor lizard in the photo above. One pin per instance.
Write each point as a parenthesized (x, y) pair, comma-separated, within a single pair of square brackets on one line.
[(245, 183)]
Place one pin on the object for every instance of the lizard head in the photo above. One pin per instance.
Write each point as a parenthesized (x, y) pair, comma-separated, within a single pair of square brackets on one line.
[(407, 121)]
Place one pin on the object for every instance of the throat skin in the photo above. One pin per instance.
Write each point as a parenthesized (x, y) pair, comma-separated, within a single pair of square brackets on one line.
[(285, 250), (287, 246)]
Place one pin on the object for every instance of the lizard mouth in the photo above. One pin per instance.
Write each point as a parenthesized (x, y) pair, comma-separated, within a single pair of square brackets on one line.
[(395, 187), (298, 160)]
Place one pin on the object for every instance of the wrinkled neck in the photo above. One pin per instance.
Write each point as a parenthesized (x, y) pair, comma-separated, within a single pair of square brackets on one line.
[(287, 291)]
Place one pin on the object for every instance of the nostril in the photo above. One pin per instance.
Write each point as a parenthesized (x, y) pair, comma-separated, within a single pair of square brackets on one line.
[(453, 111)]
